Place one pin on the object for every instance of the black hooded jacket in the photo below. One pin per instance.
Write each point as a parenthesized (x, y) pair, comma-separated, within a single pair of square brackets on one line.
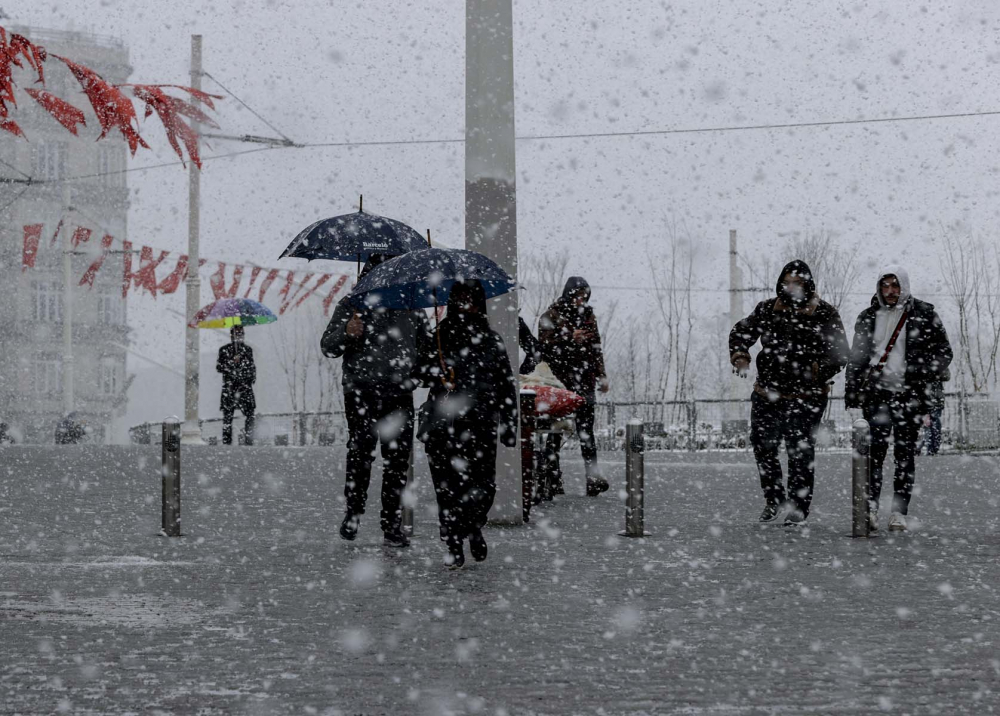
[(577, 365), (795, 333), (476, 364), (928, 352)]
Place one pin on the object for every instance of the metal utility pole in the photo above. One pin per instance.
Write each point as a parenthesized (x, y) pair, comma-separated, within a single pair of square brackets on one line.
[(67, 307), (735, 282), (191, 433), (490, 196)]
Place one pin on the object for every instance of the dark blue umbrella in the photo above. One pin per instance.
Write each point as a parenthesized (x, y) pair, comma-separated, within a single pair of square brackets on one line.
[(423, 279), (354, 237)]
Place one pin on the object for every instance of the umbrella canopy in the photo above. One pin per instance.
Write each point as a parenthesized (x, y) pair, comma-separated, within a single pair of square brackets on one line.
[(229, 312), (354, 237), (423, 279)]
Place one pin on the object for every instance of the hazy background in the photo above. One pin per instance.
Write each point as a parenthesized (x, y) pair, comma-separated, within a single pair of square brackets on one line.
[(390, 70)]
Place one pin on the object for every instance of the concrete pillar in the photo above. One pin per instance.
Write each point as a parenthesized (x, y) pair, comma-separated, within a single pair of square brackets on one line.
[(490, 196)]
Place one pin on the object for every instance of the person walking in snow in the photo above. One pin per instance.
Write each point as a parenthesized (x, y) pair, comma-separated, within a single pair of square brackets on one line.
[(803, 346), (473, 399), (383, 350), (899, 362), (239, 373), (571, 345)]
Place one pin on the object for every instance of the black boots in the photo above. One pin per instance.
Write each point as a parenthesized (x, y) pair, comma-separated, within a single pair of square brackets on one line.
[(349, 527), (478, 546)]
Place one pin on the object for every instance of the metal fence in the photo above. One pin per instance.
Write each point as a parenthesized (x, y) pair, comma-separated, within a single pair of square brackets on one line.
[(967, 422), (328, 428)]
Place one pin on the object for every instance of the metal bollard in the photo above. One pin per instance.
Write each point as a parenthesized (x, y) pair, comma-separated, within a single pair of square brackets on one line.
[(527, 415), (861, 441), (171, 472), (635, 477)]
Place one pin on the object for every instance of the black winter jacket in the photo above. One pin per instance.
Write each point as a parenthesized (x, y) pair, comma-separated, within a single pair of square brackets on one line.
[(484, 388), (388, 354), (928, 352), (792, 340), (239, 373)]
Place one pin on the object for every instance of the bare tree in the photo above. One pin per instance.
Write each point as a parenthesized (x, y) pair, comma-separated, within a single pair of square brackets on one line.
[(970, 269), (543, 275)]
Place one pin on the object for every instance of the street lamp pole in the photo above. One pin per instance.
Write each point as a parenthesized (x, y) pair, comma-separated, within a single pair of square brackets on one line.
[(191, 431)]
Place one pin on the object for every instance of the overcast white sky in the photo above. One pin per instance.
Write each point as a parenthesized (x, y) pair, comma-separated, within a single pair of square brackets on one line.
[(391, 70)]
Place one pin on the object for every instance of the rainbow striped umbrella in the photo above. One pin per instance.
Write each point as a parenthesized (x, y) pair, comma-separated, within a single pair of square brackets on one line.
[(229, 312)]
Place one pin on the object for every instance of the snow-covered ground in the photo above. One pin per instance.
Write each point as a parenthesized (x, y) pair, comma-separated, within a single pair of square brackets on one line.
[(262, 609)]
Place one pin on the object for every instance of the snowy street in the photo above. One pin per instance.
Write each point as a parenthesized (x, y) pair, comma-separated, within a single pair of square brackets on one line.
[(261, 608)]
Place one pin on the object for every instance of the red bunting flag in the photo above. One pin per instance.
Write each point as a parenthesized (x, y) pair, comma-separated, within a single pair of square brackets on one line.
[(91, 273), (80, 236), (32, 233), (266, 284), (253, 279), (328, 301)]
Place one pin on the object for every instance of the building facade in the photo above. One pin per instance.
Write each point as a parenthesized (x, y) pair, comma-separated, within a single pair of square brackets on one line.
[(88, 175)]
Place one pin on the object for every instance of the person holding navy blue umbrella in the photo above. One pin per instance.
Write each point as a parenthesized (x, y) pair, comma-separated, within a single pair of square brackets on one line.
[(382, 350)]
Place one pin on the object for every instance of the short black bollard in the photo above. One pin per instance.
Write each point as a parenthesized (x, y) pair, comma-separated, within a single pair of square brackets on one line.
[(860, 473), (171, 472), (635, 478)]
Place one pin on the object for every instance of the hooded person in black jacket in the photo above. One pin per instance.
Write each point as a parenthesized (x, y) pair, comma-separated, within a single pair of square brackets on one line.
[(909, 385), (473, 400), (383, 352), (803, 346)]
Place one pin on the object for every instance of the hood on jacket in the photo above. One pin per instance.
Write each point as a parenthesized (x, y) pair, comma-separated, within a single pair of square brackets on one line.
[(575, 284), (801, 269), (904, 284)]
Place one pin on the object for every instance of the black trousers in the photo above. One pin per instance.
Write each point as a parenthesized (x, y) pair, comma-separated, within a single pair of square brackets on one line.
[(794, 421), (900, 415), (463, 462), (248, 407), (373, 418), (584, 429)]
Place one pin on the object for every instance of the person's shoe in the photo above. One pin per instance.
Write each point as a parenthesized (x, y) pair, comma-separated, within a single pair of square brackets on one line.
[(897, 522), (395, 538), (349, 527), (770, 513), (455, 559), (556, 482), (795, 517), (873, 519), (478, 546)]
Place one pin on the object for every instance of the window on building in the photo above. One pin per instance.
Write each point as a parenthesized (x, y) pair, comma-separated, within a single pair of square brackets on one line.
[(47, 375), (111, 166), (110, 374), (49, 159), (109, 308), (47, 306)]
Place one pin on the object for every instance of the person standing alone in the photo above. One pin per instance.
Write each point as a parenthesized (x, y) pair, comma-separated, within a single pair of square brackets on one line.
[(571, 345), (899, 362), (803, 346), (239, 374)]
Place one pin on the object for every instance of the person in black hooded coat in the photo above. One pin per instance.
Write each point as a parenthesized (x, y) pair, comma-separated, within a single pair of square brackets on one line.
[(472, 401), (803, 346)]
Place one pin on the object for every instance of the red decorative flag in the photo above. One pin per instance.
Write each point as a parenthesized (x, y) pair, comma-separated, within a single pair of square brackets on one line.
[(66, 114), (55, 234), (253, 279), (80, 236), (32, 233), (145, 277), (333, 292), (169, 110), (235, 285), (91, 273), (113, 109), (266, 284), (9, 52), (173, 280), (319, 282), (218, 282), (301, 285)]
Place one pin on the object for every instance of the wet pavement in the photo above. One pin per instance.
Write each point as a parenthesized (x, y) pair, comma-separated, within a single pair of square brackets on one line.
[(261, 608)]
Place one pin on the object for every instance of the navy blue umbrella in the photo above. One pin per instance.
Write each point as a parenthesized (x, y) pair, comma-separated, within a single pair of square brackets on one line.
[(423, 279), (354, 237)]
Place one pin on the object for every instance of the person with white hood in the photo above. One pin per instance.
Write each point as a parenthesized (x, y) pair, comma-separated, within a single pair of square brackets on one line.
[(899, 359)]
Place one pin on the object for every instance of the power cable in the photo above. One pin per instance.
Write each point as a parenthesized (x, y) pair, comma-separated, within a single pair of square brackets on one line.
[(248, 107)]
